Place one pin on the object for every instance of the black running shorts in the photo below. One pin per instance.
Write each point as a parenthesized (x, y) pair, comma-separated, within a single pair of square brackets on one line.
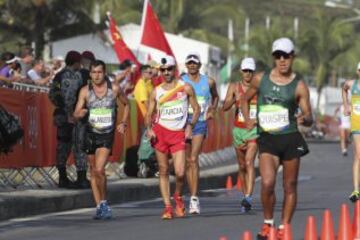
[(285, 146), (94, 141)]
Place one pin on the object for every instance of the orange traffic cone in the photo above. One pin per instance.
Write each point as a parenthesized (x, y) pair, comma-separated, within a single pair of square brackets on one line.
[(287, 232), (311, 232), (327, 229), (345, 231), (238, 183), (356, 221), (247, 235), (272, 234), (229, 184)]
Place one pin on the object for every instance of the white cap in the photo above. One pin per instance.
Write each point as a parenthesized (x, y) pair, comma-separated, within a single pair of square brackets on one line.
[(248, 64), (283, 44), (358, 66), (193, 56), (14, 59), (167, 61)]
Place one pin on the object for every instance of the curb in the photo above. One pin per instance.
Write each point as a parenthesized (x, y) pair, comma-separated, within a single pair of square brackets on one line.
[(22, 203)]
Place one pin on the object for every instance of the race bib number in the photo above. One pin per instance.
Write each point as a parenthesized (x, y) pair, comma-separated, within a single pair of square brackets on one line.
[(252, 114), (174, 112), (101, 118), (202, 103), (273, 118), (356, 107)]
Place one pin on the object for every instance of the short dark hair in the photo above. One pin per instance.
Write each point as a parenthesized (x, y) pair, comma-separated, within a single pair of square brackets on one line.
[(6, 56), (144, 67), (125, 64), (96, 63)]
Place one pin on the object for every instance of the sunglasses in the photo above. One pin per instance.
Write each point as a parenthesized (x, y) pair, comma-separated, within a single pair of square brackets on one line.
[(278, 55), (247, 71), (169, 69), (192, 62)]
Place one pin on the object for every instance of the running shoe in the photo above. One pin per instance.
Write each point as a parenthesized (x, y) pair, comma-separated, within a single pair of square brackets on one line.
[(194, 207), (167, 213), (98, 214), (264, 233), (344, 152), (246, 204), (280, 233), (106, 211), (179, 206), (354, 196)]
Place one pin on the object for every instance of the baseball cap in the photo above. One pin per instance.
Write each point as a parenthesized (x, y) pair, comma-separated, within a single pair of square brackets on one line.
[(193, 56), (153, 64), (72, 57), (283, 45), (88, 55), (167, 61), (248, 64)]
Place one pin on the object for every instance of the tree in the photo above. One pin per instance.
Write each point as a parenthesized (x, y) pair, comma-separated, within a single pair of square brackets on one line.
[(39, 21)]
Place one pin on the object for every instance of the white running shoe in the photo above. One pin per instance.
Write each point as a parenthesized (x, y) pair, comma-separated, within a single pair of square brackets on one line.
[(194, 207)]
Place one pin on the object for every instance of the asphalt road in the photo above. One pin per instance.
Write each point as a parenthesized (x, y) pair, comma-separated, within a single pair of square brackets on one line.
[(324, 182)]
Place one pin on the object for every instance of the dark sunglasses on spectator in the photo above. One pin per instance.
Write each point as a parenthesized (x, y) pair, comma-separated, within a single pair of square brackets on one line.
[(247, 71), (278, 55), (166, 69)]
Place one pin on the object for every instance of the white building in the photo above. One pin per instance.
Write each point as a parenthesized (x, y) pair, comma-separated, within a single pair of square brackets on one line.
[(131, 33)]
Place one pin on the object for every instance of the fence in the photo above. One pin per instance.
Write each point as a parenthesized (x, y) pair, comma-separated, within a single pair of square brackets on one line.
[(32, 162)]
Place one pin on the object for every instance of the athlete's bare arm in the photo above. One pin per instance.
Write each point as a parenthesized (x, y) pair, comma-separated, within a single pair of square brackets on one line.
[(303, 97), (149, 113), (123, 100), (345, 96), (214, 99), (230, 97), (80, 110), (193, 103), (245, 99)]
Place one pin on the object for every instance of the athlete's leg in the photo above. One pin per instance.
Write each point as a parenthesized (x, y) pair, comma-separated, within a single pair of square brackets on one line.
[(240, 155), (250, 169), (356, 163), (192, 163), (268, 168), (93, 181), (290, 176), (98, 172), (179, 166), (163, 163)]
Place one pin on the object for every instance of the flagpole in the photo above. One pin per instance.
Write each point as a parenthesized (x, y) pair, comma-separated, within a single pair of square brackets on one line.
[(142, 26)]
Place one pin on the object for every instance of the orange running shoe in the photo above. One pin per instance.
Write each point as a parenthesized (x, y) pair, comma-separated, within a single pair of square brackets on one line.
[(180, 206), (167, 213), (280, 233), (264, 233)]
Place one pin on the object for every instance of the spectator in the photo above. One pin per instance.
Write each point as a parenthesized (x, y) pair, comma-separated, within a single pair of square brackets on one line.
[(58, 64), (6, 70), (143, 88), (124, 77), (87, 58), (157, 79), (36, 74), (26, 59)]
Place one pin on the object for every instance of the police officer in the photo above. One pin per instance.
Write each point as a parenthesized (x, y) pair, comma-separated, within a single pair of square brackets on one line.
[(63, 94)]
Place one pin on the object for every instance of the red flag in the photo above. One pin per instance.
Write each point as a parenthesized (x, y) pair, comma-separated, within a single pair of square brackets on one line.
[(153, 35), (122, 50)]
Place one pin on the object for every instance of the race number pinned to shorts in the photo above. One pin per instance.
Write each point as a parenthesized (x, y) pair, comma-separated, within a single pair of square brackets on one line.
[(273, 118)]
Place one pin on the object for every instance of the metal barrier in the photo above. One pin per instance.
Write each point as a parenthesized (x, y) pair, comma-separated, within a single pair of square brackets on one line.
[(29, 87)]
